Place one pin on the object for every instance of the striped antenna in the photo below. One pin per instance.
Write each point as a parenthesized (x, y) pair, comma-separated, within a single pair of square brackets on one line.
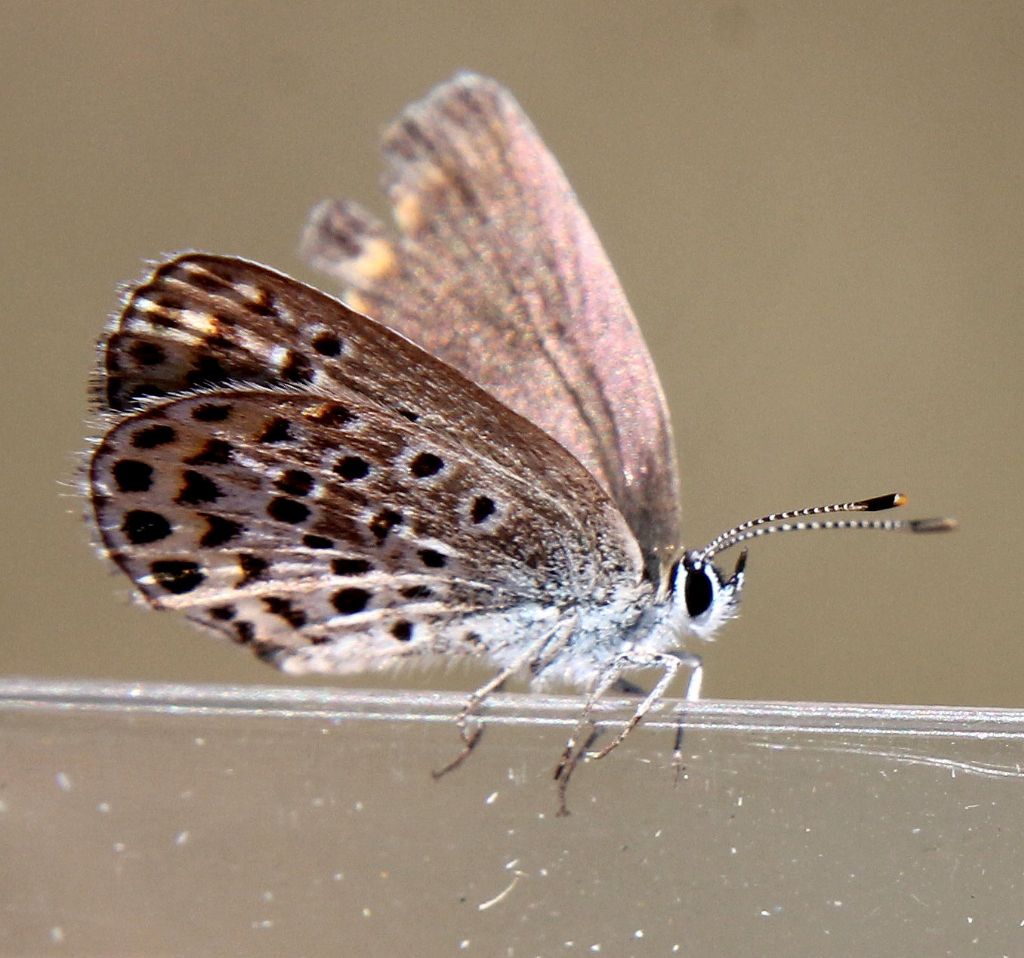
[(782, 522)]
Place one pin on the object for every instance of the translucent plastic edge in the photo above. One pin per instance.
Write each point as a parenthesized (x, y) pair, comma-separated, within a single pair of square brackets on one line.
[(334, 704)]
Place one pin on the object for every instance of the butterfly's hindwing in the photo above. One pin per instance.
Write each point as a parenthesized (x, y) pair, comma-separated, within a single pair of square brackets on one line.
[(532, 310), (384, 508)]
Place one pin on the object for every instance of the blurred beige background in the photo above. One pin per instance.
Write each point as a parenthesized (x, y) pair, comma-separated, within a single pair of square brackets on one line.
[(816, 210)]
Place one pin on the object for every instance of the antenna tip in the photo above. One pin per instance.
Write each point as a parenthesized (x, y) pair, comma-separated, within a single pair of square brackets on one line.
[(891, 501), (933, 525)]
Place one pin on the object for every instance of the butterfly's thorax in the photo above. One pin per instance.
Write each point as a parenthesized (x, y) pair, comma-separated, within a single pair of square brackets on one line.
[(630, 617)]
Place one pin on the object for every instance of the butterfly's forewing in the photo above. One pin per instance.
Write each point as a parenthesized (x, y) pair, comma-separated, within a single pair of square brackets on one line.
[(497, 270), (381, 507)]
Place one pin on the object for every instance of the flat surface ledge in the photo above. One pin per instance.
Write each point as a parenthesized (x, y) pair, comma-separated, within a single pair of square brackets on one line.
[(506, 708)]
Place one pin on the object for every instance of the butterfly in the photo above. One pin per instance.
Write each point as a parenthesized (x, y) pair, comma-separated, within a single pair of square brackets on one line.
[(470, 456)]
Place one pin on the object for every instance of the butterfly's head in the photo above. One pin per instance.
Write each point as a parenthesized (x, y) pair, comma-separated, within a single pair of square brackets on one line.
[(703, 598), (702, 593)]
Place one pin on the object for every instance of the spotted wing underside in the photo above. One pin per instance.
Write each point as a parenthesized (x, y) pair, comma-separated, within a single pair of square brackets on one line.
[(378, 507)]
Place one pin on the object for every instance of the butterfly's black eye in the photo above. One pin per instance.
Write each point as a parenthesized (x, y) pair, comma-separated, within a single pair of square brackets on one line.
[(698, 591)]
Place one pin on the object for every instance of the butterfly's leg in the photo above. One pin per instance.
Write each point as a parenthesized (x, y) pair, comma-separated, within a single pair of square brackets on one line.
[(620, 685), (539, 651), (670, 665), (572, 753), (471, 735), (626, 688), (570, 759), (696, 666), (671, 662)]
